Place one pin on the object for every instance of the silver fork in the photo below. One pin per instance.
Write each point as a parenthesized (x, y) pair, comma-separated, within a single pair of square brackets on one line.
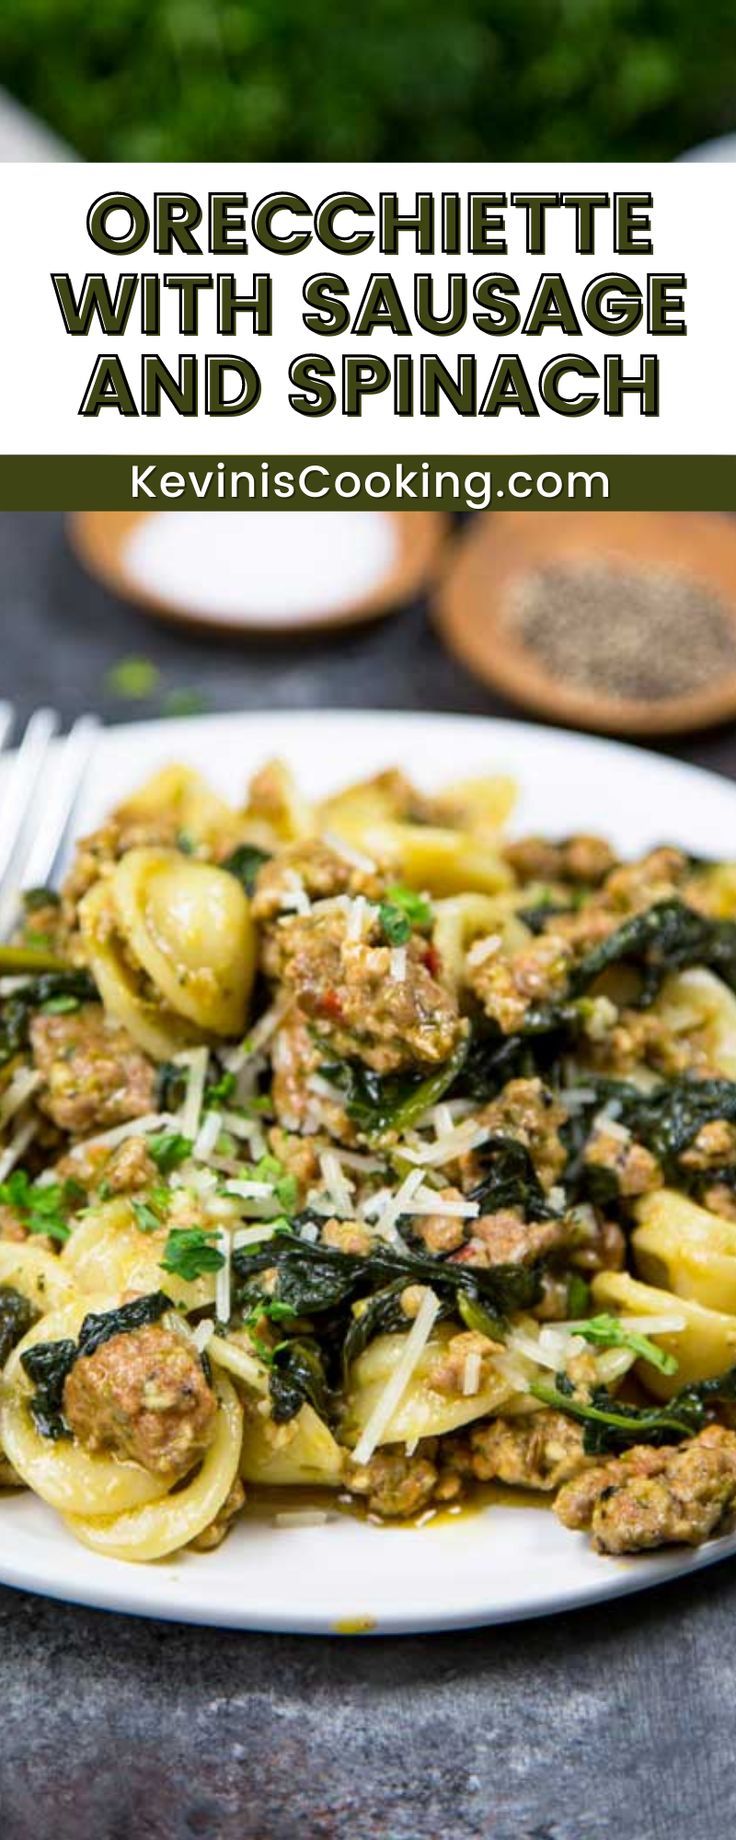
[(38, 795)]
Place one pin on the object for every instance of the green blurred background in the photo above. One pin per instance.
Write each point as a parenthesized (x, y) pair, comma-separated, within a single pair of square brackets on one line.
[(400, 79)]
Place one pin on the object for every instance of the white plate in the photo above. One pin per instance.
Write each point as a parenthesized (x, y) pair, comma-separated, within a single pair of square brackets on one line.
[(348, 1576)]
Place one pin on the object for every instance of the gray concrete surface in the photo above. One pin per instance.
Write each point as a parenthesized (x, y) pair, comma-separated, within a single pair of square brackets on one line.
[(610, 1724)]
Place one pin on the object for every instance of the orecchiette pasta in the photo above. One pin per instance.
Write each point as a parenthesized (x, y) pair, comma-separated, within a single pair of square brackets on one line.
[(345, 1145), (686, 1248), (172, 940)]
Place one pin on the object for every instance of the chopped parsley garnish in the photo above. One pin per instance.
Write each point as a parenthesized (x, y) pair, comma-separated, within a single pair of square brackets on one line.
[(220, 1091), (608, 1332), (147, 1219), (168, 1149), (132, 678), (395, 925), (285, 1186), (42, 1207), (402, 911), (190, 1252), (271, 1310)]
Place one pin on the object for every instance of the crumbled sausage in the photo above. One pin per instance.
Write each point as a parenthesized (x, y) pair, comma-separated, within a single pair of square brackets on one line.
[(635, 1169), (441, 1232), (318, 870), (129, 1167), (94, 1075), (656, 877), (510, 984), (298, 1156), (721, 1199), (579, 859), (527, 1111), (537, 1451), (638, 1037), (347, 1236), (506, 1239), (295, 1059), (143, 1395), (346, 989), (714, 1145), (651, 1498), (463, 1358), (396, 1486)]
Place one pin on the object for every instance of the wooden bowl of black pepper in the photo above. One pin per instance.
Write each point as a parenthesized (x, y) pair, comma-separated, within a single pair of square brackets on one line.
[(619, 621)]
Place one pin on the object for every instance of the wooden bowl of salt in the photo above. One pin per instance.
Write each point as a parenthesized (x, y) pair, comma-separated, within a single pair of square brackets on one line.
[(623, 622), (262, 571)]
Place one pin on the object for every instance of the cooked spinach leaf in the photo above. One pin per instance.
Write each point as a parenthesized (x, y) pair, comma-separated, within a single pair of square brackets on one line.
[(16, 1317), (380, 1314), (296, 1378), (377, 1103), (244, 863), (667, 1120), (98, 1327), (48, 1364), (316, 1279), (510, 1180), (171, 1085), (494, 1058), (612, 1425), (666, 937)]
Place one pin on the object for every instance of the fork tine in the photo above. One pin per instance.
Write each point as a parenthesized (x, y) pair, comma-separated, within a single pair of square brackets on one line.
[(6, 722), (70, 770), (22, 783)]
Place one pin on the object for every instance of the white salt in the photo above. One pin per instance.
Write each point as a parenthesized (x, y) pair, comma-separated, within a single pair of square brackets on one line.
[(268, 565)]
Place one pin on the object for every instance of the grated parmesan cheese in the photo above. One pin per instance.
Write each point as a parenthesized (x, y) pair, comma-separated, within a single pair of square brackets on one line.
[(15, 1149), (427, 1201), (235, 1059), (252, 1236), (397, 964), (301, 1517), (222, 1280), (250, 1191), (207, 1135), (323, 1089), (355, 858), (23, 1083), (359, 918), (610, 1127), (245, 1128), (395, 1388), (295, 899), (135, 1127), (196, 1060), (471, 1374), (336, 1182), (392, 1208), (464, 1137), (483, 949)]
